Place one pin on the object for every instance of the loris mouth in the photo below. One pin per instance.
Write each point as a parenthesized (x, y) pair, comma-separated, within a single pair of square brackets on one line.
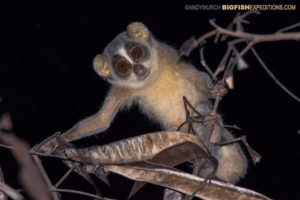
[(141, 72)]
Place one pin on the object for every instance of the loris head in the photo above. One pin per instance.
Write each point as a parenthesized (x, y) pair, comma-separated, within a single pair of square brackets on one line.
[(129, 60)]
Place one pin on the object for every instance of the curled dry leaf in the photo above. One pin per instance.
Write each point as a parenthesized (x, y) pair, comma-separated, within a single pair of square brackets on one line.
[(173, 156), (185, 183), (135, 149), (165, 148)]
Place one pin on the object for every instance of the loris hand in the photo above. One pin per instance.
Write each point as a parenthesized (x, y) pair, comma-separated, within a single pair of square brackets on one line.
[(49, 147)]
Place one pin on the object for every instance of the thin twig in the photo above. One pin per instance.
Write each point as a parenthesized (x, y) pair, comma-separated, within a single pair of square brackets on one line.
[(203, 62), (273, 76), (244, 15), (32, 152), (49, 155), (216, 104), (233, 126), (12, 193), (3, 196), (289, 27), (64, 177), (222, 64), (6, 190), (43, 172), (253, 154), (238, 20), (246, 49)]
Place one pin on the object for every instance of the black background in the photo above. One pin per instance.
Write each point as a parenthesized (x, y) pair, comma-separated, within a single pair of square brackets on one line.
[(47, 82)]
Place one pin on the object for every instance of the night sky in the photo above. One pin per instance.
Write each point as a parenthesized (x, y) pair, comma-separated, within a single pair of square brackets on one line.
[(47, 82)]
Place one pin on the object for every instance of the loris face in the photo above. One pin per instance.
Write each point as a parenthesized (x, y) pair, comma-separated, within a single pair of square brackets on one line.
[(128, 60)]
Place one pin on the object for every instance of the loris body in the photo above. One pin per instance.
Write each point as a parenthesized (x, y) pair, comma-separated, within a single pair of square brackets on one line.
[(161, 97), (149, 73)]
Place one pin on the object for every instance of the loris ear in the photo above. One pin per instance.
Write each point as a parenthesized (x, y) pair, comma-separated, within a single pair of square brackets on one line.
[(101, 66), (138, 30)]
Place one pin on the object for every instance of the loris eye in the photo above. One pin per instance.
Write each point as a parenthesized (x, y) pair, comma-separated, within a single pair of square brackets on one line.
[(123, 66), (137, 53)]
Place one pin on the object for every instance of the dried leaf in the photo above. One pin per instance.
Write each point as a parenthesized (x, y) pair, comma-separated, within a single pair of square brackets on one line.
[(180, 153), (99, 172), (229, 77), (229, 82), (186, 183), (167, 148), (173, 156), (188, 46), (241, 63), (136, 187), (136, 149)]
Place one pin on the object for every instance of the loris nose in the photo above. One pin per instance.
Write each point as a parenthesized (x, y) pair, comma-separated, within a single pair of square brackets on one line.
[(140, 70)]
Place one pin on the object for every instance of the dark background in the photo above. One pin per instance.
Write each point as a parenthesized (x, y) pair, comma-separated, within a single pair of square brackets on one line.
[(47, 82)]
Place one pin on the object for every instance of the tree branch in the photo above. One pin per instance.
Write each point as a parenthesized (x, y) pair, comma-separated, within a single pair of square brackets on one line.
[(256, 38)]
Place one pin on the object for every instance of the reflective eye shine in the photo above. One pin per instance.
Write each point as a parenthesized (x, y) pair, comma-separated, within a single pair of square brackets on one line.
[(123, 66), (137, 53)]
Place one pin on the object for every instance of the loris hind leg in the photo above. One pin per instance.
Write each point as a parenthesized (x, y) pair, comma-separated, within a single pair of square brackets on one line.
[(232, 162)]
